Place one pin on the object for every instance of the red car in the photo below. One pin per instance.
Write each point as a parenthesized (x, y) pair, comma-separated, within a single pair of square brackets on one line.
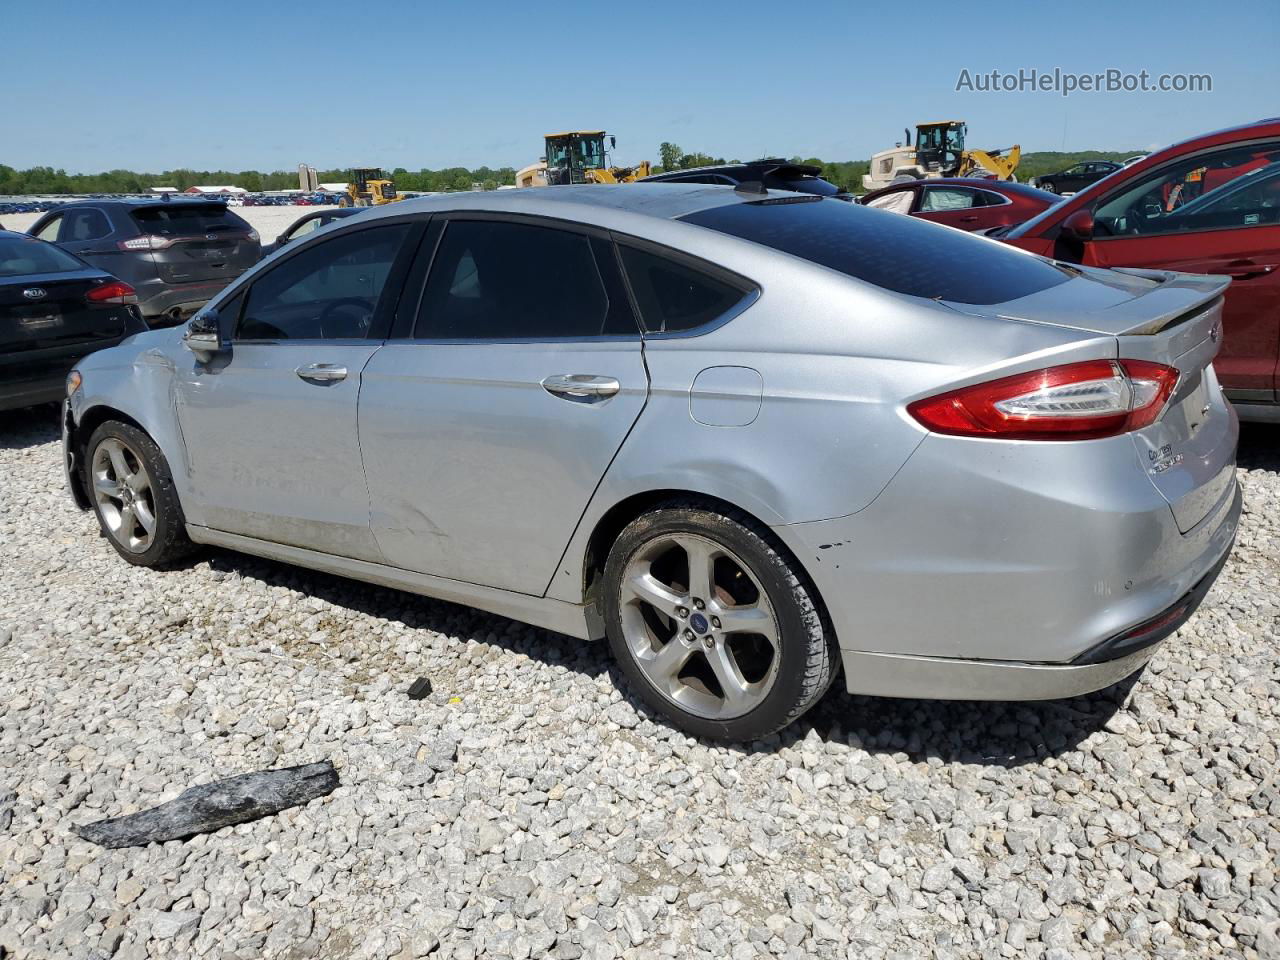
[(967, 203), (1207, 205)]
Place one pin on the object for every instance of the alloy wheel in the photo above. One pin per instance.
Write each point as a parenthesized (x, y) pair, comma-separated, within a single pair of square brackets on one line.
[(122, 491), (700, 626)]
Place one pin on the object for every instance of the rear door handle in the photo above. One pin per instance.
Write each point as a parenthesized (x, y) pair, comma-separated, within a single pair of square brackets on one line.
[(968, 219), (581, 387), (322, 372), (1245, 269)]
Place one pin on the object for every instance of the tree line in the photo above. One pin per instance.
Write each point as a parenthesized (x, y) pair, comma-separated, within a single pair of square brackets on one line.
[(846, 174), (43, 180)]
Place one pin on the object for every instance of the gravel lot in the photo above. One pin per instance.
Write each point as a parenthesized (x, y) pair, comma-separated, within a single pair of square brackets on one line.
[(526, 809)]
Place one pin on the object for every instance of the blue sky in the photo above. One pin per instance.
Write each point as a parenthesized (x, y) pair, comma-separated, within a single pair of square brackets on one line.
[(151, 86)]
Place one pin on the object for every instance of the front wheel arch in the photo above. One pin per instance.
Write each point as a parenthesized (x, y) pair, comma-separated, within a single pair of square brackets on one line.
[(78, 440)]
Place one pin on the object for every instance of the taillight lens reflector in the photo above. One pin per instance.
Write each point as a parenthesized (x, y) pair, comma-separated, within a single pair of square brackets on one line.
[(1075, 401)]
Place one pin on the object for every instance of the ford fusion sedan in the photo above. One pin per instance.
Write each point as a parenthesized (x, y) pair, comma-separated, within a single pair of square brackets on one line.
[(54, 309), (731, 432)]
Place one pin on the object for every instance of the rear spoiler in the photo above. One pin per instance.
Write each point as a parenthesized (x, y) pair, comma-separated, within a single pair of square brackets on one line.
[(794, 171)]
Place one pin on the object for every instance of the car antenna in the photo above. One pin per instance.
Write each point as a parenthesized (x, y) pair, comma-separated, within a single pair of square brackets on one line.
[(755, 187)]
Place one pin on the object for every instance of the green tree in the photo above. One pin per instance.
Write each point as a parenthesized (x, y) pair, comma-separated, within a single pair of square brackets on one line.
[(670, 155)]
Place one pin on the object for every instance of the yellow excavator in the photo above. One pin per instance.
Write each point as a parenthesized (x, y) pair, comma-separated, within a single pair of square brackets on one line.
[(369, 187), (940, 151), (578, 156)]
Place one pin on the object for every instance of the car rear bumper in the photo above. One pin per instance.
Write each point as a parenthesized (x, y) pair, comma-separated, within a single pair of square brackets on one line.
[(29, 377), (989, 572), (158, 299), (944, 678)]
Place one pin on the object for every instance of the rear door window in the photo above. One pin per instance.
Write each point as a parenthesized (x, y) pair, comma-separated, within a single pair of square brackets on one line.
[(903, 254), (187, 220), (498, 280), (674, 296), (80, 225)]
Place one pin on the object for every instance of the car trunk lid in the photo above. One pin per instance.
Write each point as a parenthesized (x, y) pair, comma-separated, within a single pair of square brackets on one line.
[(201, 241), (60, 315), (1163, 317)]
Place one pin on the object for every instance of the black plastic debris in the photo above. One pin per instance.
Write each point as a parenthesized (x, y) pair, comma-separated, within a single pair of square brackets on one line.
[(213, 806), (420, 689)]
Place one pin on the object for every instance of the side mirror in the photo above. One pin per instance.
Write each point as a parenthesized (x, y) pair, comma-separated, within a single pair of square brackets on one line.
[(282, 240), (1079, 226), (203, 337)]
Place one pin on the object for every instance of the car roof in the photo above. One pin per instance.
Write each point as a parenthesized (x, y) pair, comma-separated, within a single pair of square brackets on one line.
[(667, 201), (138, 202)]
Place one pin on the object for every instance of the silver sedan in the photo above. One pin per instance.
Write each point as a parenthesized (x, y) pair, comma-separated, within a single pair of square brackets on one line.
[(749, 437)]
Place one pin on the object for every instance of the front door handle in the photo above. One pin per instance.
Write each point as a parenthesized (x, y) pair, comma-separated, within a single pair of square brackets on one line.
[(322, 372), (581, 387)]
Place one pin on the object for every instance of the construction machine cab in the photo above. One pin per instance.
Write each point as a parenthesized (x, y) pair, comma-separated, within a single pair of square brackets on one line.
[(940, 146), (571, 155), (369, 187)]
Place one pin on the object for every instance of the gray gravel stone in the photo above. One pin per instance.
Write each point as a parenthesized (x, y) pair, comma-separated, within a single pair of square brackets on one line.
[(526, 808)]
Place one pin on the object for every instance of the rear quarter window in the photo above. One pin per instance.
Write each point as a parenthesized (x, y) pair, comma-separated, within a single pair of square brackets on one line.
[(673, 296), (902, 254)]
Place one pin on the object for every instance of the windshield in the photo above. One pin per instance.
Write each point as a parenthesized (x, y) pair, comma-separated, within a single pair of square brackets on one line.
[(21, 256), (902, 254)]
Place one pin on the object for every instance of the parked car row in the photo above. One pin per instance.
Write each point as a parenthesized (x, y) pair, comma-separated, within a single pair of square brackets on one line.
[(27, 206)]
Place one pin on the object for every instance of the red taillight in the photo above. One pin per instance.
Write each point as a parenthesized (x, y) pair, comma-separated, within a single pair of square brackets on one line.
[(1076, 401), (116, 291)]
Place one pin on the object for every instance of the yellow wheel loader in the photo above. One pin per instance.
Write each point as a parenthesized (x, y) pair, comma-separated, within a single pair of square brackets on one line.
[(578, 156), (369, 188), (939, 151)]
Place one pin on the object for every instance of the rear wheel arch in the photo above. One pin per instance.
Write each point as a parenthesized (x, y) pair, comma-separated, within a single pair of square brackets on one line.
[(618, 517)]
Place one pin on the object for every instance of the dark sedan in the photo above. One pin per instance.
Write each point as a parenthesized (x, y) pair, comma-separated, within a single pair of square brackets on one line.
[(1077, 177), (54, 309), (308, 222), (968, 204)]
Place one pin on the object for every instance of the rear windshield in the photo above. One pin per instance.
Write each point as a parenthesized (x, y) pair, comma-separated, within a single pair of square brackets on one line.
[(19, 257), (184, 221), (892, 251)]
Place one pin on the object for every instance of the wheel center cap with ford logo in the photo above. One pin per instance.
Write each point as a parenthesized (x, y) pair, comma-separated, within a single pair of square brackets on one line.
[(699, 623)]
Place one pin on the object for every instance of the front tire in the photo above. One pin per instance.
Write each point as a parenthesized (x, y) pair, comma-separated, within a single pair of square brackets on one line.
[(714, 624), (1048, 186), (131, 489)]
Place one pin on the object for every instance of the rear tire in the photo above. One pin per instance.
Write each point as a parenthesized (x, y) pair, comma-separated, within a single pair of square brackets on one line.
[(131, 489), (735, 652)]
